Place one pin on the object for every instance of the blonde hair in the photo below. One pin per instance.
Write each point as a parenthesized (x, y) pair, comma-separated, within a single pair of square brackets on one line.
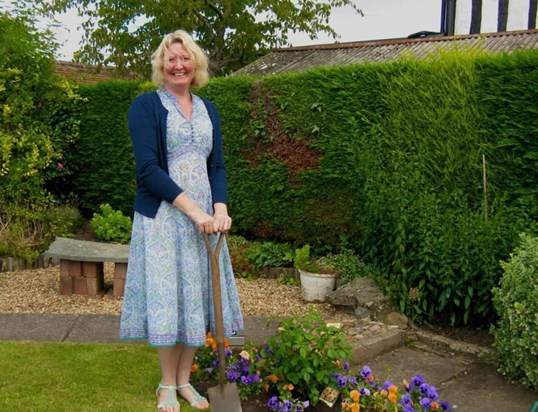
[(200, 59)]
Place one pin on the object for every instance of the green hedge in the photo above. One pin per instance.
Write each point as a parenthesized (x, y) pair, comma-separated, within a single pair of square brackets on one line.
[(103, 160), (387, 159)]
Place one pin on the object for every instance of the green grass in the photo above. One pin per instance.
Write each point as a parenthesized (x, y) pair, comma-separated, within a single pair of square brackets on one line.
[(78, 377)]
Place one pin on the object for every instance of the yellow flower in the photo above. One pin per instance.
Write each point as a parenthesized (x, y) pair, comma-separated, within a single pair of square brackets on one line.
[(383, 393), (434, 406)]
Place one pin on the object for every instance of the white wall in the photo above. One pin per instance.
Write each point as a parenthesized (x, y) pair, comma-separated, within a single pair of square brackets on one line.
[(518, 14)]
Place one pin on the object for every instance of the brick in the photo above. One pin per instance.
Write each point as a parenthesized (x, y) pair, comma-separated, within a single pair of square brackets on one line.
[(74, 268), (94, 286), (64, 268), (66, 285), (120, 270), (80, 286), (92, 269), (119, 286)]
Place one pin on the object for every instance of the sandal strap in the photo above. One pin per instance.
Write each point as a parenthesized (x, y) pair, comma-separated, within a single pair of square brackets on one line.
[(197, 396), (172, 401)]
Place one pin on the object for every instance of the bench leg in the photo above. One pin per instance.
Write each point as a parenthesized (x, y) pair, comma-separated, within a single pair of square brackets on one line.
[(81, 278), (120, 273)]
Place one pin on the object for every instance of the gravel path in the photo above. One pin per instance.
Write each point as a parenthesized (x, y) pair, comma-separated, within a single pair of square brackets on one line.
[(36, 291)]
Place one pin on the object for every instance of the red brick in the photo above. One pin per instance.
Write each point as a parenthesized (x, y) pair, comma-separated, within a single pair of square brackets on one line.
[(75, 268), (94, 286), (92, 269), (64, 268), (66, 285), (120, 270), (80, 286), (119, 286)]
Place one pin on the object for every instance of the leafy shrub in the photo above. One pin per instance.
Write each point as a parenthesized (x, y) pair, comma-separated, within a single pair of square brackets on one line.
[(269, 254), (237, 246), (304, 354), (111, 225), (37, 125), (516, 302), (348, 265), (302, 260), (65, 220)]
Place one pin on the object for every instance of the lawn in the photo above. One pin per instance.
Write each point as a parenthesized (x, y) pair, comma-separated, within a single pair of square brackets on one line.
[(78, 377)]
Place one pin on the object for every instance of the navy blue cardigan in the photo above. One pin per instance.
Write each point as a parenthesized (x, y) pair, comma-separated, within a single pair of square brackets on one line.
[(147, 126)]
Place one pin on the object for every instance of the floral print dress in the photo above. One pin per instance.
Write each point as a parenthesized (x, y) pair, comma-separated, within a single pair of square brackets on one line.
[(168, 294)]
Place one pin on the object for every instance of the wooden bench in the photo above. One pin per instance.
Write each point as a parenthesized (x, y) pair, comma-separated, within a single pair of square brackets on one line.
[(82, 265)]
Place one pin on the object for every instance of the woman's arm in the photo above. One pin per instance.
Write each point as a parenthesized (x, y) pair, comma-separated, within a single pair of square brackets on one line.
[(144, 131)]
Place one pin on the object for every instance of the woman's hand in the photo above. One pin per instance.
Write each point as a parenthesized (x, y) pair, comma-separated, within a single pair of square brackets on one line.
[(223, 221)]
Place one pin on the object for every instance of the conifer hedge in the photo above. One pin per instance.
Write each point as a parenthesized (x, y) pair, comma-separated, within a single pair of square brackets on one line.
[(426, 168)]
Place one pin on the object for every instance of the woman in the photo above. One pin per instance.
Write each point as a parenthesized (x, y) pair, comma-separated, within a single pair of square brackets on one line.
[(181, 192)]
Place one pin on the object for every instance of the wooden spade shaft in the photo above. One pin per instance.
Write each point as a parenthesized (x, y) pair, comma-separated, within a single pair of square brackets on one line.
[(225, 397)]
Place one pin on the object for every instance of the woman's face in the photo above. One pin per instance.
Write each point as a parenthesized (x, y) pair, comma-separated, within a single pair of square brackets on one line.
[(179, 67)]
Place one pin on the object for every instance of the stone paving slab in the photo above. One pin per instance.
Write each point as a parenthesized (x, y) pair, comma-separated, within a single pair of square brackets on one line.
[(404, 362), (41, 328), (485, 391), (101, 328), (95, 328), (469, 387)]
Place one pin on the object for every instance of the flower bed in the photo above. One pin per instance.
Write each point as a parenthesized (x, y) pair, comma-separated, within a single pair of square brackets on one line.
[(302, 368)]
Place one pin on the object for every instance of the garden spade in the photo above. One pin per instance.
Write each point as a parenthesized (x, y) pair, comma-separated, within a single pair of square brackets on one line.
[(224, 397)]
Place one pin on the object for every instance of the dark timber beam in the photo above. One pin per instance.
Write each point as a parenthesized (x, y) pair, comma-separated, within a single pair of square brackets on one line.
[(476, 17), (502, 15)]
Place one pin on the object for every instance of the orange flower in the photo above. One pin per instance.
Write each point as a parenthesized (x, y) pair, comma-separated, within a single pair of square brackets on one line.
[(266, 387), (392, 397), (355, 395), (393, 389), (209, 340), (194, 367), (355, 407), (226, 343), (288, 387), (434, 406), (272, 378)]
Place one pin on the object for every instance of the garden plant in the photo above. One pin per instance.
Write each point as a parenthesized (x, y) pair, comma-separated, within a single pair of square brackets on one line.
[(516, 302), (305, 360)]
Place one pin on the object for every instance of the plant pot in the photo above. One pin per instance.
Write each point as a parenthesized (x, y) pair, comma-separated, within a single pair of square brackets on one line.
[(316, 286)]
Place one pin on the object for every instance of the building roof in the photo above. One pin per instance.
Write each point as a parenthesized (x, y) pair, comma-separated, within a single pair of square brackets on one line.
[(81, 73), (294, 59)]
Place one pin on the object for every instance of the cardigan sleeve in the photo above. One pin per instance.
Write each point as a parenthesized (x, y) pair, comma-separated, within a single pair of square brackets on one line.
[(144, 128)]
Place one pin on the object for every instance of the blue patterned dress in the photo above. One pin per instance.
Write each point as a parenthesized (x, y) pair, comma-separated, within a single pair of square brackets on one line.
[(168, 294)]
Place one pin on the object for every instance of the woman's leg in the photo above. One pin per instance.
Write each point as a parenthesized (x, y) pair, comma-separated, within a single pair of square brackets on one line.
[(168, 359), (183, 374)]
